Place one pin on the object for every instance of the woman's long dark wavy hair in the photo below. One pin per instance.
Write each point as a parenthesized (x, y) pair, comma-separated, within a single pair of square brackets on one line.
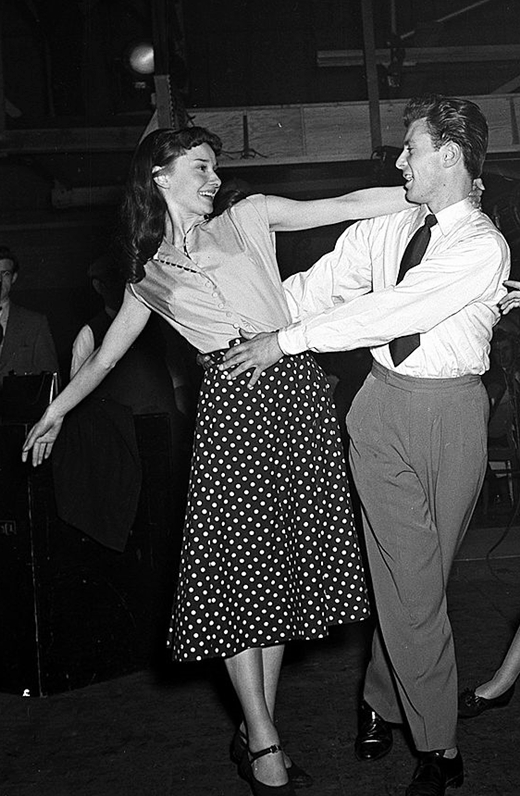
[(143, 209)]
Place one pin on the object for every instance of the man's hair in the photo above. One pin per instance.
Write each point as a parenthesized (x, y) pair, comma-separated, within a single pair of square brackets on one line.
[(452, 119), (7, 254)]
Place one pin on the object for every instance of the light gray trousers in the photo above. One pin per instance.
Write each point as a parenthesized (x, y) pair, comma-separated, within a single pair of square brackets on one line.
[(418, 452)]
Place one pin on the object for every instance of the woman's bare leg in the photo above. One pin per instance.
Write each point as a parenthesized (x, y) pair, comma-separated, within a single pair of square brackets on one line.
[(254, 674), (505, 675), (272, 660)]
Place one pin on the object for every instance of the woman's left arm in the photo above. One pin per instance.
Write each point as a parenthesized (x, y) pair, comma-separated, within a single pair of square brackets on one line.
[(289, 214)]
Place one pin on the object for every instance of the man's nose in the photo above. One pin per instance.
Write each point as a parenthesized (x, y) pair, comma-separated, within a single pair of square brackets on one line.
[(400, 163)]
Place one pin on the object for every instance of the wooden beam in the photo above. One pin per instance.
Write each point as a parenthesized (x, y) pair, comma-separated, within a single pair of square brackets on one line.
[(451, 15), (163, 97), (508, 87), (277, 134), (2, 91), (415, 55), (371, 73)]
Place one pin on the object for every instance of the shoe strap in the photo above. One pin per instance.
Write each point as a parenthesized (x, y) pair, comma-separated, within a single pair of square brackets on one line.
[(271, 750)]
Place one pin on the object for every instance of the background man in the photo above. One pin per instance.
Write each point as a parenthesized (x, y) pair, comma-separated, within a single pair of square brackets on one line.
[(26, 344), (418, 425)]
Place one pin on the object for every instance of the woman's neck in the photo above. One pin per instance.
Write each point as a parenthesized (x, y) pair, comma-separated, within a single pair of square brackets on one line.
[(177, 226)]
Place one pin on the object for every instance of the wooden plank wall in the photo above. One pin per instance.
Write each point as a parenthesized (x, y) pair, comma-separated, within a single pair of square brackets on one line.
[(277, 134), (335, 131)]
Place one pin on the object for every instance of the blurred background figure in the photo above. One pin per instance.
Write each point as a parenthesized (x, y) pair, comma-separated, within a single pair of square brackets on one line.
[(141, 379), (502, 382), (26, 344), (97, 465)]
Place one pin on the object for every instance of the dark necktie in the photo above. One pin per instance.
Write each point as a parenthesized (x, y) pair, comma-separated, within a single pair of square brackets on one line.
[(402, 347)]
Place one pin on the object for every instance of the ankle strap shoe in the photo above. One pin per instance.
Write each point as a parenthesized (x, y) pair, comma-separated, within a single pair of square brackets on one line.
[(471, 705)]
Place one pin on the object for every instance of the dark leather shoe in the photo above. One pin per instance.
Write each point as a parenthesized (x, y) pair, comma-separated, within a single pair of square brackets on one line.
[(374, 739), (435, 773), (471, 705)]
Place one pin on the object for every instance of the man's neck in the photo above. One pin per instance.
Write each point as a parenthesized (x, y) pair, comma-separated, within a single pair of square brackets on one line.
[(450, 194)]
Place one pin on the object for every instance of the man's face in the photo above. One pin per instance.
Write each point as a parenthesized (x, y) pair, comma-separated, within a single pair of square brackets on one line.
[(421, 165), (7, 277)]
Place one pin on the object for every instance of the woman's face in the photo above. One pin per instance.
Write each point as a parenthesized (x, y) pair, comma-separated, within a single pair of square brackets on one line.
[(191, 182)]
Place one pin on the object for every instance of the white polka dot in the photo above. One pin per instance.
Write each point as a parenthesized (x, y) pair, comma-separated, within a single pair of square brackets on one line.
[(270, 551)]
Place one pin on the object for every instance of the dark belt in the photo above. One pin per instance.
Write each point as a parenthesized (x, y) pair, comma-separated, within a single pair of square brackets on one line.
[(216, 357)]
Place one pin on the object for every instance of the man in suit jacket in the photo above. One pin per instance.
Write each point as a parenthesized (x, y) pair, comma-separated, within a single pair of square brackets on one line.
[(26, 344)]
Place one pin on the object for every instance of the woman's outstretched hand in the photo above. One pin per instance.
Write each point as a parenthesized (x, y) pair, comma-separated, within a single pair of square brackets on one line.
[(475, 195), (42, 437), (512, 300)]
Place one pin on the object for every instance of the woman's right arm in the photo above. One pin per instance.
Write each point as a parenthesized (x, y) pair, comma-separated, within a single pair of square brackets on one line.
[(512, 300), (125, 328)]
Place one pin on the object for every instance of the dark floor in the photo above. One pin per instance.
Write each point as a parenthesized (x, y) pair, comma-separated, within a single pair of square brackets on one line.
[(150, 735)]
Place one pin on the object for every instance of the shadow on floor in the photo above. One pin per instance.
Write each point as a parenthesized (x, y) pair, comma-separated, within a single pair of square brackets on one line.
[(166, 733)]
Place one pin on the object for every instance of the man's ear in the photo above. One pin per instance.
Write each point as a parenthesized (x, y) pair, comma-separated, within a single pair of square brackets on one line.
[(451, 154), (160, 176)]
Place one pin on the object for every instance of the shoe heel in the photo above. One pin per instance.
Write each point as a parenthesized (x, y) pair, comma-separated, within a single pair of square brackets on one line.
[(456, 782), (238, 746), (259, 788)]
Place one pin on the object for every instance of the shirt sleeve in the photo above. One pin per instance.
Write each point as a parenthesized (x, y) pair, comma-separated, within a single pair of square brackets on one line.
[(253, 210), (82, 348), (336, 278), (469, 270)]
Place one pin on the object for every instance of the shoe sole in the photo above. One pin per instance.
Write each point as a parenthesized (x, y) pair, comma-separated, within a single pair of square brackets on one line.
[(374, 757)]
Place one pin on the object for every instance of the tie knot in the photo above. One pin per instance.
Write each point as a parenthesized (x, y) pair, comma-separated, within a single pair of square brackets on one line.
[(430, 221)]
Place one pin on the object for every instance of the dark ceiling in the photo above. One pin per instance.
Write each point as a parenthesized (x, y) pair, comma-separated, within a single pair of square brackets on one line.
[(67, 59), (65, 67)]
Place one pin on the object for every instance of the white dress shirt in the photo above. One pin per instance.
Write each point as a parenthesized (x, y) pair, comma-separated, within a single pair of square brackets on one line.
[(349, 299)]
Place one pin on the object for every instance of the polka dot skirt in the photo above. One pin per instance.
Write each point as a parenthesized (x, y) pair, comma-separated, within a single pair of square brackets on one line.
[(270, 552)]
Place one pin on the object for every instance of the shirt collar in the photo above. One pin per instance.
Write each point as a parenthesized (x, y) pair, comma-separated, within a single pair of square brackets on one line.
[(451, 215)]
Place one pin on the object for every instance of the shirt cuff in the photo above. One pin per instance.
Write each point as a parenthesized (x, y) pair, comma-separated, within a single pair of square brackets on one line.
[(292, 339)]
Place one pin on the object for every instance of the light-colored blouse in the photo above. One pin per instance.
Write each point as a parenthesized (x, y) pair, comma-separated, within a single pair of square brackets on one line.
[(226, 279)]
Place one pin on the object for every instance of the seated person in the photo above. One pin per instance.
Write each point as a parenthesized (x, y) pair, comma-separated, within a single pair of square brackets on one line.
[(26, 344)]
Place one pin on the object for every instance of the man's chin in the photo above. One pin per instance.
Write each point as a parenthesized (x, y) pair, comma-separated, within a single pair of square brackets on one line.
[(413, 196)]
